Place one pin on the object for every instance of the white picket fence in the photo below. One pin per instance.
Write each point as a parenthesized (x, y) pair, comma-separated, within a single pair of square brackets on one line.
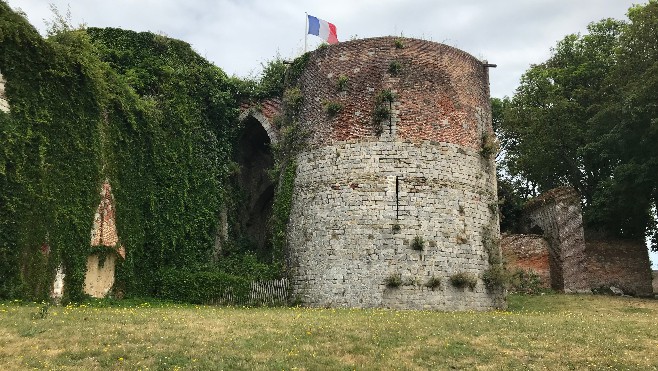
[(273, 292)]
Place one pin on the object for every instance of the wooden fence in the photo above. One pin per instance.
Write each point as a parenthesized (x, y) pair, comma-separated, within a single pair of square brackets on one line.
[(273, 292)]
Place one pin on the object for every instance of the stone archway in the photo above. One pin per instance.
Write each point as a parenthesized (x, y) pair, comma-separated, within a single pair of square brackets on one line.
[(255, 158)]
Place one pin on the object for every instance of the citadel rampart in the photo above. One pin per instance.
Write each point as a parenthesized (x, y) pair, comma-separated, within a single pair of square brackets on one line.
[(364, 189)]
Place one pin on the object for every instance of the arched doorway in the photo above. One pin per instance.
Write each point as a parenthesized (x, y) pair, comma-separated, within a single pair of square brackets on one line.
[(254, 157)]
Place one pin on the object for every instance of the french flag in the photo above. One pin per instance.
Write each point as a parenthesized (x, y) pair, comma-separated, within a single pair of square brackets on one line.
[(323, 29)]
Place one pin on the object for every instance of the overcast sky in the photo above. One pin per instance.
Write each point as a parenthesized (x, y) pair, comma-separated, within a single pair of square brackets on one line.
[(239, 35)]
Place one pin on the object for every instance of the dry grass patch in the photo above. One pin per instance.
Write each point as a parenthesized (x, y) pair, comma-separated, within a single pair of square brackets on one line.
[(551, 331)]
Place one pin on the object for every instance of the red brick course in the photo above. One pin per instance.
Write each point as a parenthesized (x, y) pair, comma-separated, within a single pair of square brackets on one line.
[(442, 93), (527, 252)]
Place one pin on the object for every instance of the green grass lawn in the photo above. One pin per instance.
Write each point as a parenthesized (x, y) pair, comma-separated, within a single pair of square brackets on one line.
[(556, 332)]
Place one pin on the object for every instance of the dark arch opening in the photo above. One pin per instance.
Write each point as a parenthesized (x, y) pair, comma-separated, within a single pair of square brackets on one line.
[(254, 156)]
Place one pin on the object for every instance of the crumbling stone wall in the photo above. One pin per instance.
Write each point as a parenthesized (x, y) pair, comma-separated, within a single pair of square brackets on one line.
[(363, 192), (621, 263), (557, 216), (4, 104), (528, 252)]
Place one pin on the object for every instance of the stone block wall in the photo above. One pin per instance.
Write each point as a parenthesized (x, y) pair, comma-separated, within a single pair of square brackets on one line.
[(621, 263), (357, 208), (4, 104), (557, 216), (527, 252)]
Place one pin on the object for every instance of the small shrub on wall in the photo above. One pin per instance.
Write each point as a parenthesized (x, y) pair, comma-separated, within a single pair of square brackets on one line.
[(393, 281), (418, 243), (463, 279), (433, 283)]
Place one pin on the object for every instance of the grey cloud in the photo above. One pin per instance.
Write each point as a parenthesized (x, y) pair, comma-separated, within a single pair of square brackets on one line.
[(239, 35)]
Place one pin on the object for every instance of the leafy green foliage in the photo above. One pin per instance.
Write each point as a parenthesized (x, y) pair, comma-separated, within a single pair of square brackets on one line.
[(177, 137), (281, 210), (394, 68), (463, 279), (510, 205), (341, 84), (50, 166), (272, 81), (138, 109), (433, 283), (628, 198), (382, 109), (587, 118), (332, 108), (525, 282), (393, 281), (490, 146), (495, 277), (418, 243)]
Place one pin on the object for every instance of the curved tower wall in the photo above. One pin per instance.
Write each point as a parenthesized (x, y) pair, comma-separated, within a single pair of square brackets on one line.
[(365, 190)]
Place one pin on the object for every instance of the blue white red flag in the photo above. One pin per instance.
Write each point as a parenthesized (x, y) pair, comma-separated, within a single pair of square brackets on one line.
[(323, 29)]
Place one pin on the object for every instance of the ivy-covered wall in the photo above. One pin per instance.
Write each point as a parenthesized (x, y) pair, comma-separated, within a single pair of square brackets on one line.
[(50, 155), (141, 111)]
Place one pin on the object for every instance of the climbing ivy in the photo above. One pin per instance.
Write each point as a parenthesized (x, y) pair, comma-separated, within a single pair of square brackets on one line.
[(171, 154), (140, 110), (156, 120), (50, 161)]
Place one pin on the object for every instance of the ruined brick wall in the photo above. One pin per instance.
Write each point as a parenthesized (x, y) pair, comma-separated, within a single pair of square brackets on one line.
[(361, 197), (527, 252), (621, 263), (99, 278), (4, 104), (557, 215)]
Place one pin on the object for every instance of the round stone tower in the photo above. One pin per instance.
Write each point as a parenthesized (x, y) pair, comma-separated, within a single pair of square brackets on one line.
[(395, 198)]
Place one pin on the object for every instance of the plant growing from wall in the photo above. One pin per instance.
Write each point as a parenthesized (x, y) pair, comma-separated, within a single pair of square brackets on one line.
[(433, 283), (139, 109), (399, 44), (394, 68), (418, 243), (332, 108), (490, 146), (393, 281), (382, 110), (463, 279), (292, 139), (495, 276), (341, 84), (292, 101)]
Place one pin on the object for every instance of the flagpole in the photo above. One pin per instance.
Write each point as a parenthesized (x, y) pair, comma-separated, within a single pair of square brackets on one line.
[(305, 31)]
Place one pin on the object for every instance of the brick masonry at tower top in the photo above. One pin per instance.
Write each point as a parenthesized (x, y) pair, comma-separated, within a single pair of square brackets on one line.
[(440, 92)]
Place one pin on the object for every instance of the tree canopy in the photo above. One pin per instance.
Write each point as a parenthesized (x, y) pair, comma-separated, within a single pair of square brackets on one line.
[(587, 117)]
